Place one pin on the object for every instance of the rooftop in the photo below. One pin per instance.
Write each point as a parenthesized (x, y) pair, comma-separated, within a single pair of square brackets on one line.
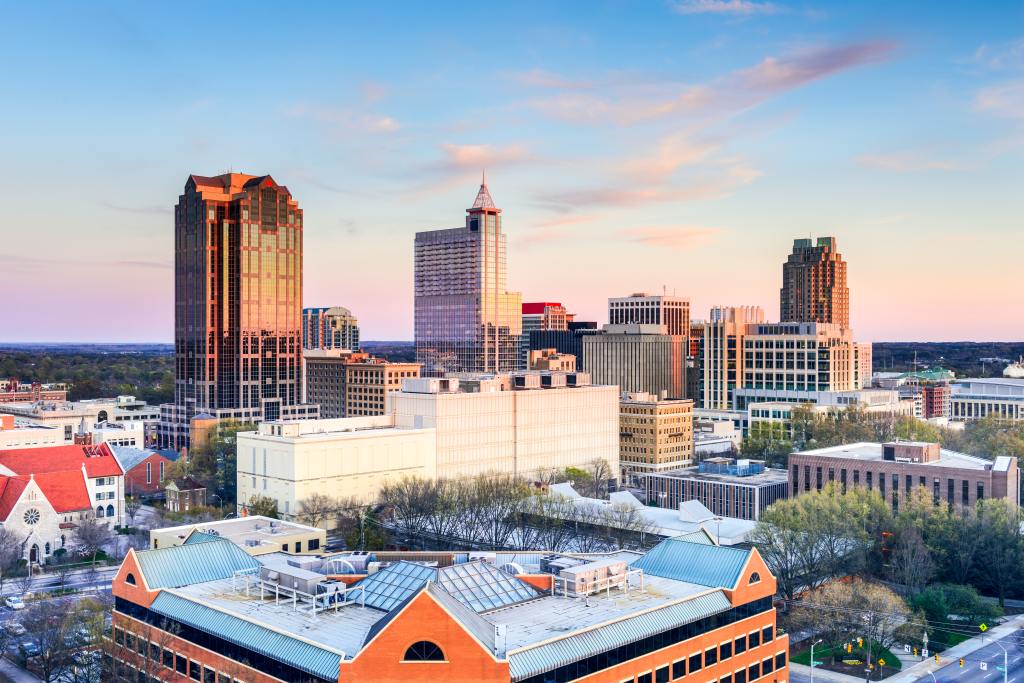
[(870, 452), (252, 531), (767, 476)]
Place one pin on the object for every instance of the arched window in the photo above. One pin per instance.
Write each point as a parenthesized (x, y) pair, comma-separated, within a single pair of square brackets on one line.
[(130, 579), (423, 651), (99, 510), (110, 511), (755, 578), (101, 416)]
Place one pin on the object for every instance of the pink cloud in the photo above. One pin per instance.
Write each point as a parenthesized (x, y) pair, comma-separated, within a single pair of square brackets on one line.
[(680, 237), (735, 7), (476, 157)]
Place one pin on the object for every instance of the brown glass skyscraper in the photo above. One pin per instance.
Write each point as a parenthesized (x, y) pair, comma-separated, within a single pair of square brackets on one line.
[(238, 302), (814, 284)]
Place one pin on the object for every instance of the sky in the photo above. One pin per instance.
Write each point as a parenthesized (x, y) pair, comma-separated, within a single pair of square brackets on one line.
[(669, 145)]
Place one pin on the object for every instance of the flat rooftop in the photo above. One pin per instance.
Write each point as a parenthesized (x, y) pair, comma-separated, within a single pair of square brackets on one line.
[(872, 452), (768, 476), (241, 529)]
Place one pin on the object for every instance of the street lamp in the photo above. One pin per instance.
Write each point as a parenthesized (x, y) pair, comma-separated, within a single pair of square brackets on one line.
[(817, 642), (1006, 668), (220, 505)]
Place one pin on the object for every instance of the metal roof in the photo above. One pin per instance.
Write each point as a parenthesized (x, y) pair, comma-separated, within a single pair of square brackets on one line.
[(393, 585), (579, 645), (182, 565), (685, 560), (289, 650)]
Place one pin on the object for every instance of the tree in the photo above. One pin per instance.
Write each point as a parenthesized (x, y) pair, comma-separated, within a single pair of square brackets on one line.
[(317, 509), (600, 474), (1001, 547), (911, 561), (61, 567), (580, 479), (12, 551), (91, 536), (49, 622), (261, 505), (132, 505)]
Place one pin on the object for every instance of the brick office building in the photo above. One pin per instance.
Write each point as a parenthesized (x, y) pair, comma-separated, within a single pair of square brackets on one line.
[(896, 469), (208, 611)]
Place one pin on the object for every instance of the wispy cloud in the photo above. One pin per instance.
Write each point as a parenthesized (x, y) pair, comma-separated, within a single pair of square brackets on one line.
[(679, 237), (345, 120), (728, 7), (906, 162), (1008, 55), (459, 158), (1005, 100), (542, 78), (628, 105)]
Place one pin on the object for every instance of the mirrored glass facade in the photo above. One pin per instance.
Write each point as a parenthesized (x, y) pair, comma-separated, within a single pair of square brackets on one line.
[(465, 319)]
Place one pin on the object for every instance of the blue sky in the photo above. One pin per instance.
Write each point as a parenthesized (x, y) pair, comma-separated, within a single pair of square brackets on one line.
[(632, 146)]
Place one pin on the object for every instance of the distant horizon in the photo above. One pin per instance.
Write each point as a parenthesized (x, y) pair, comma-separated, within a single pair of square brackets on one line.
[(412, 341)]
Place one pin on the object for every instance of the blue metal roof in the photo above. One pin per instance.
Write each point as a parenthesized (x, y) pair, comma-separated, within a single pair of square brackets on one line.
[(683, 560), (196, 562), (394, 584), (581, 644), (129, 456), (292, 651), (200, 537)]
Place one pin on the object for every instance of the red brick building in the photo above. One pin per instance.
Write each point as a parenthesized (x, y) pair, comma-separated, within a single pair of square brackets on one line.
[(13, 391), (145, 470), (208, 611)]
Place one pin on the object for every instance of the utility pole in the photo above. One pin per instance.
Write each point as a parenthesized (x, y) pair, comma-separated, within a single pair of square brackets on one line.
[(812, 658), (1006, 667)]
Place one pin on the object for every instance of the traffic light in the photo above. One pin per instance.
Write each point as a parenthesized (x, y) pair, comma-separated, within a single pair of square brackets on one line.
[(961, 662), (860, 642), (915, 651), (849, 648), (936, 656)]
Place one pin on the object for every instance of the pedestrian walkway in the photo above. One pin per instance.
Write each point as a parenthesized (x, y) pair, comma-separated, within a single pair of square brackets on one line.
[(9, 673)]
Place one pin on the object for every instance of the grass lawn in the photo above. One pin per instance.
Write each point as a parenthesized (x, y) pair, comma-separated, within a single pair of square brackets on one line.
[(825, 654)]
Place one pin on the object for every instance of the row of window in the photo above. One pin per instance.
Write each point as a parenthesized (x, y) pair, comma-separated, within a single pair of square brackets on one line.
[(160, 657), (908, 481), (747, 674)]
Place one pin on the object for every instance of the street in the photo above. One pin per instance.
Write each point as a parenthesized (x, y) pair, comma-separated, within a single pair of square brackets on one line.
[(992, 655), (80, 579)]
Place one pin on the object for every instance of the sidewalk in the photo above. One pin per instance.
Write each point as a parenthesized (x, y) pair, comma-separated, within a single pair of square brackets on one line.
[(965, 648), (9, 673)]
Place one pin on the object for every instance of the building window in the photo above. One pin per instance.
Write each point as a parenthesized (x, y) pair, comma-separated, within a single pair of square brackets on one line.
[(661, 675), (755, 639), (678, 669), (965, 492), (754, 671), (817, 476), (313, 544), (710, 656), (754, 578), (740, 645), (423, 651), (195, 670), (110, 511), (149, 473), (644, 678), (694, 663), (780, 660), (99, 511), (130, 579), (981, 491), (725, 650), (767, 634)]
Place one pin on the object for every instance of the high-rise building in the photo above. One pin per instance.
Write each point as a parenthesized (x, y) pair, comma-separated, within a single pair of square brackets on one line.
[(814, 284), (465, 319), (638, 358), (651, 309), (238, 294), (541, 315), (654, 435), (349, 384), (329, 328), (721, 358)]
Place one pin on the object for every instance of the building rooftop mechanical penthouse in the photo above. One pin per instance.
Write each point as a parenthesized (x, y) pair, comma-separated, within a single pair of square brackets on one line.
[(208, 609)]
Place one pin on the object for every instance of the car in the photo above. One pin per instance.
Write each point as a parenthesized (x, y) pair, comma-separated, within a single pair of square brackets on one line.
[(30, 648), (14, 628), (14, 602)]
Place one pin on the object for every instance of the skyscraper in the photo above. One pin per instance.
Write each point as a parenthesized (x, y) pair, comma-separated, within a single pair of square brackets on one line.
[(329, 328), (465, 319), (541, 315), (238, 298), (814, 284), (651, 309), (721, 356)]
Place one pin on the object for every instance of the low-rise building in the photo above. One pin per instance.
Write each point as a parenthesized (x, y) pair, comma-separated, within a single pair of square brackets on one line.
[(550, 360), (897, 469), (713, 438), (46, 492), (145, 470), (728, 487), (777, 416), (184, 494), (14, 391), (977, 398), (687, 608), (255, 534), (75, 418), (654, 434), (18, 433), (348, 384)]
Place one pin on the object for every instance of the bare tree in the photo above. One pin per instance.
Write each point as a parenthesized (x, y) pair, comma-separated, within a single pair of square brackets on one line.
[(600, 473), (317, 509), (12, 551), (24, 582), (49, 623), (61, 567), (132, 505), (91, 536), (911, 562), (627, 522)]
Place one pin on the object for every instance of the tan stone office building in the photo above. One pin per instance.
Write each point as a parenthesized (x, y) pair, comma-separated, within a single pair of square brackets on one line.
[(654, 435)]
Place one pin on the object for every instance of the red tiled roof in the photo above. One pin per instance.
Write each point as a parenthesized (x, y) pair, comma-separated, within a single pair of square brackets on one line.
[(535, 308), (10, 491), (66, 491), (98, 460)]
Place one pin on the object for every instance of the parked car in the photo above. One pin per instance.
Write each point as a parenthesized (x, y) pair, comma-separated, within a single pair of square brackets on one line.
[(14, 602), (30, 649), (14, 628)]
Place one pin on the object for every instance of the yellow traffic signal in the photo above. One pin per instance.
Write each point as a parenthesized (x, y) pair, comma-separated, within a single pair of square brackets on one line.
[(860, 642), (849, 648), (961, 662), (936, 656), (915, 651)]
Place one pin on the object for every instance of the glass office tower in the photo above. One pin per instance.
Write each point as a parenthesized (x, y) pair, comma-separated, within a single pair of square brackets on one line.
[(465, 320)]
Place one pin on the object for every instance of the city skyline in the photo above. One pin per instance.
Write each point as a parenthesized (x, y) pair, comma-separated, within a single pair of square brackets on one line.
[(682, 145)]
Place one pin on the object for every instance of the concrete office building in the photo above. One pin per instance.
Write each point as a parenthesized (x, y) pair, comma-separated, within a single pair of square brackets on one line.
[(238, 303), (16, 433), (654, 435), (896, 469), (255, 534), (776, 417), (686, 609), (78, 418), (329, 328), (721, 354), (537, 316), (814, 284), (651, 309), (638, 358), (550, 360), (726, 486), (974, 399), (466, 320), (348, 384)]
